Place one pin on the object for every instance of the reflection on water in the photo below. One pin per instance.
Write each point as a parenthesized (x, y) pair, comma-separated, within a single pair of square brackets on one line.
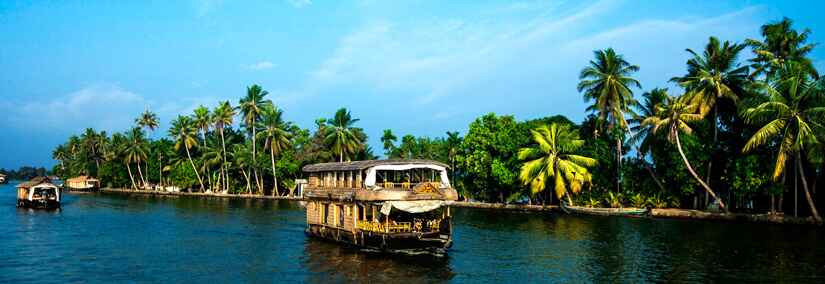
[(116, 238)]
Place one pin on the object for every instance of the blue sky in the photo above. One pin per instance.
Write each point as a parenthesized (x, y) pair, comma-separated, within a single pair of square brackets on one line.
[(420, 67)]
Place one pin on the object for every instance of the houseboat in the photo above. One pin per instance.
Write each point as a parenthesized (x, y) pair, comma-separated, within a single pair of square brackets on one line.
[(385, 205), (39, 192), (82, 183), (3, 179)]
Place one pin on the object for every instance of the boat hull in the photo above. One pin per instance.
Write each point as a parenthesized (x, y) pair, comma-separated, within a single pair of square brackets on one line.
[(38, 204), (413, 242), (627, 212)]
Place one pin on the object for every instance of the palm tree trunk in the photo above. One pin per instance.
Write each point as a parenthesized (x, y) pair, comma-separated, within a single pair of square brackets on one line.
[(692, 172), (140, 173), (254, 158), (274, 177), (796, 191), (805, 188), (341, 156), (655, 179), (160, 168), (248, 183), (193, 166), (223, 166), (618, 165), (713, 146), (131, 177)]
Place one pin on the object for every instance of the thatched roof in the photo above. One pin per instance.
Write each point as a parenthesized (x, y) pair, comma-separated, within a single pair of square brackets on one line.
[(80, 179), (360, 165), (33, 182)]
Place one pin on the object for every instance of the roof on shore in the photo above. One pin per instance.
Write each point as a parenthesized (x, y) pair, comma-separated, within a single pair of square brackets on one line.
[(360, 165), (81, 179)]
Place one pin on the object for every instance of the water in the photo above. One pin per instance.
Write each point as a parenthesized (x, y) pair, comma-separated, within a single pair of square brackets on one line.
[(118, 238)]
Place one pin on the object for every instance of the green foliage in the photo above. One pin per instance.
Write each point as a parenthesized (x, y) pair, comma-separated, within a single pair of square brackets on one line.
[(614, 200)]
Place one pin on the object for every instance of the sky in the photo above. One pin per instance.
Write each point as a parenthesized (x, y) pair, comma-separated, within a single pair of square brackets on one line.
[(417, 67)]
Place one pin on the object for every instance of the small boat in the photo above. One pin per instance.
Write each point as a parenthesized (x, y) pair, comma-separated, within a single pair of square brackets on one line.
[(3, 179), (39, 192), (396, 206), (82, 183), (627, 212)]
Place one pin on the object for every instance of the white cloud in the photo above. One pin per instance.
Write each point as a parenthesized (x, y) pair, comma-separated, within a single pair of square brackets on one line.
[(299, 3), (262, 65)]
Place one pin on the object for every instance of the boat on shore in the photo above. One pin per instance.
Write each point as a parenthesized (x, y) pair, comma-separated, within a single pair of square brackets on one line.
[(38, 193), (626, 212), (385, 205), (82, 184)]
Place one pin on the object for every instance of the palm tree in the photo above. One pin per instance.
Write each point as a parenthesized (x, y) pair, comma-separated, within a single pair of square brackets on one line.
[(222, 116), (554, 157), (790, 116), (341, 134), (673, 117), (91, 145), (251, 108), (202, 121), (150, 121), (135, 150), (642, 135), (242, 158), (453, 141), (276, 134), (389, 142), (184, 133), (782, 44), (607, 82), (715, 75), (60, 154), (119, 145)]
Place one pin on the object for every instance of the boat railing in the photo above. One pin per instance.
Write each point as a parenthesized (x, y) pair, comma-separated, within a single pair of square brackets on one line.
[(408, 185), (417, 225)]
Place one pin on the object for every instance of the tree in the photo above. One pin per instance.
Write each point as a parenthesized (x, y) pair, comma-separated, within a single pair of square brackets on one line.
[(673, 117), (135, 150), (150, 121), (275, 132), (341, 134), (715, 75), (607, 81), (184, 133), (642, 136), (389, 142), (223, 116), (782, 44), (251, 108), (453, 142), (790, 113), (202, 121), (554, 157)]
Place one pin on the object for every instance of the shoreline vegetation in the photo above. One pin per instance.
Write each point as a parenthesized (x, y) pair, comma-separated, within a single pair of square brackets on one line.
[(662, 213), (741, 138)]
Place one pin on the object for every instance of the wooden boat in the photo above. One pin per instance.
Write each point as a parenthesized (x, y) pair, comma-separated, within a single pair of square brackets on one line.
[(627, 212), (385, 205), (82, 183), (39, 192)]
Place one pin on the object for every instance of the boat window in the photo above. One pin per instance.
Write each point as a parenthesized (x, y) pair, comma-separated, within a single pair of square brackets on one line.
[(326, 213), (340, 216)]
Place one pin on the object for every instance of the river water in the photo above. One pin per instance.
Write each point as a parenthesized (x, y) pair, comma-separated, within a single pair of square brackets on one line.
[(118, 238)]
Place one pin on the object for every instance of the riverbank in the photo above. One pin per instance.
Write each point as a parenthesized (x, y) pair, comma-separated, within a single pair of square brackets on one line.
[(666, 213)]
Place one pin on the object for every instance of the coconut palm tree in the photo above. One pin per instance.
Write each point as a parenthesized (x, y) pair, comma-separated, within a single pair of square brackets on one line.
[(672, 119), (342, 135), (712, 76), (251, 108), (389, 142), (184, 133), (642, 136), (149, 120), (607, 82), (781, 44), (276, 134), (790, 114), (242, 159), (60, 154), (135, 150), (554, 159), (202, 121), (453, 141), (223, 116)]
